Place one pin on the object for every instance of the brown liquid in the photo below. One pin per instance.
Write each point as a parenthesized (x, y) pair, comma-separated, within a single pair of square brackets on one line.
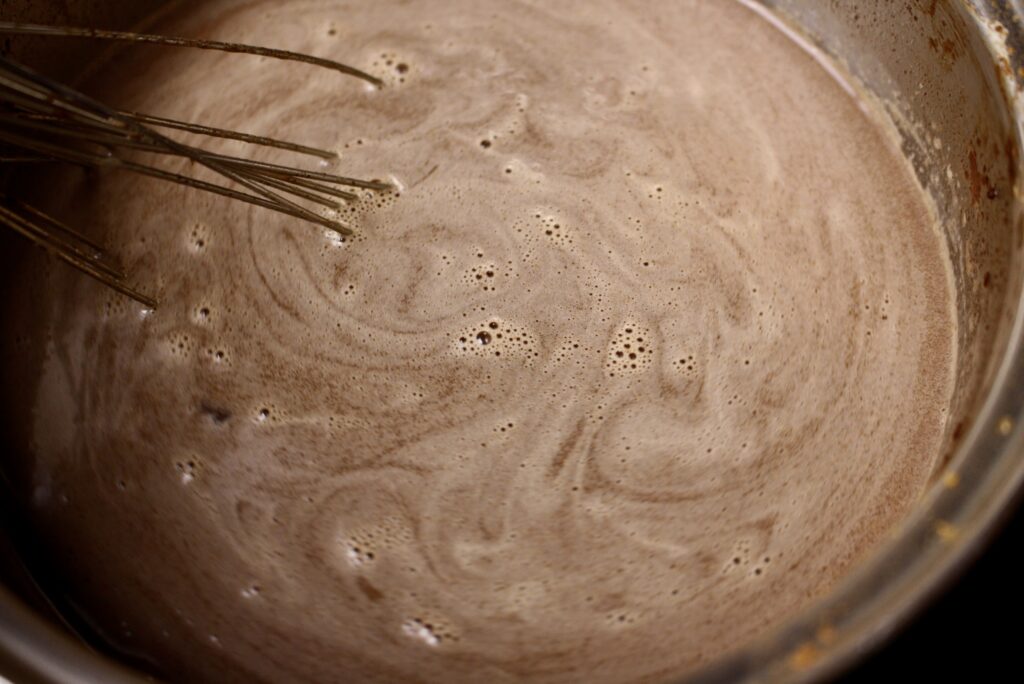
[(655, 343)]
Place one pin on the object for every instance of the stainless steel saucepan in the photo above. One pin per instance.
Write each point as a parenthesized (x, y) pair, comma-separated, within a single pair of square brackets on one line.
[(950, 74)]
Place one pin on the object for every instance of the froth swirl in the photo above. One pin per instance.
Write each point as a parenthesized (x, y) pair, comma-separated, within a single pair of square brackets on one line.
[(651, 343)]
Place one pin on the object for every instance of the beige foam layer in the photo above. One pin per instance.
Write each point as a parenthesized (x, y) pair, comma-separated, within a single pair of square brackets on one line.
[(654, 343)]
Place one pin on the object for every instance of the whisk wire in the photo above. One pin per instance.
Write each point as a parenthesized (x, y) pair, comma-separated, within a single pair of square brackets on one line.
[(88, 159), (111, 138), (61, 228), (69, 245), (296, 191), (230, 135), (46, 121), (15, 28), (92, 265)]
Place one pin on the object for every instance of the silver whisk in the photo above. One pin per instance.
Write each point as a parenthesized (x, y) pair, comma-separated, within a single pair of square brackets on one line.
[(43, 121)]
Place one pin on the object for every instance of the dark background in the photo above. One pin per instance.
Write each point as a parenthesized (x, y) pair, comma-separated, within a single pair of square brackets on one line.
[(972, 633)]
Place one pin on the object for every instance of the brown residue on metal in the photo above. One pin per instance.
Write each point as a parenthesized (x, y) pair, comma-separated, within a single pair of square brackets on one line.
[(951, 480), (807, 654), (978, 179), (1005, 426), (947, 41), (804, 657), (946, 531), (1004, 66), (946, 49)]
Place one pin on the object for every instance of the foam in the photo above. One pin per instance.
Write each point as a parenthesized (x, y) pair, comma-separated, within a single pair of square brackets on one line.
[(600, 399)]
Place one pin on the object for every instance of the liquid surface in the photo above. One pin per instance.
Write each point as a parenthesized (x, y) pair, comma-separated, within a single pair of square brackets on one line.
[(652, 345)]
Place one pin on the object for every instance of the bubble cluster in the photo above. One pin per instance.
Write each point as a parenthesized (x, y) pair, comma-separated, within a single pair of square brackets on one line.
[(744, 559), (340, 424), (180, 344), (630, 351), (363, 213), (618, 619), (365, 544), (656, 192), (498, 338), (428, 632), (218, 356), (485, 275), (197, 238), (555, 230), (685, 364), (250, 592), (188, 470), (569, 351), (115, 304), (392, 68), (504, 427), (358, 555)]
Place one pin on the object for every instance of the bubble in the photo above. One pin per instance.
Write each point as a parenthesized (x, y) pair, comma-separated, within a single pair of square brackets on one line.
[(421, 631), (485, 275), (187, 470), (251, 591), (357, 555), (618, 619), (334, 238), (180, 344), (198, 238)]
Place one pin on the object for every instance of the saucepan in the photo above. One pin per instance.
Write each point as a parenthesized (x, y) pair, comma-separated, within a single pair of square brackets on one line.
[(949, 73)]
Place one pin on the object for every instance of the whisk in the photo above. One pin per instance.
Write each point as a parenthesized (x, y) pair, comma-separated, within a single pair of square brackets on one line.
[(43, 121)]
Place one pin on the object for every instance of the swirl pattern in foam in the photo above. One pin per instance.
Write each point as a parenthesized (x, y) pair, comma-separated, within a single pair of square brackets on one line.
[(652, 344)]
